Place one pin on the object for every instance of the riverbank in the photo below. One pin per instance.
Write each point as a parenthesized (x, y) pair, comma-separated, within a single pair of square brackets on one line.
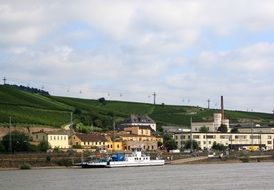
[(69, 159)]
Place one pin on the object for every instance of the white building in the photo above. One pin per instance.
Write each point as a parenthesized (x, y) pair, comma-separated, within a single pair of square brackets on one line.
[(212, 126), (56, 139), (206, 140)]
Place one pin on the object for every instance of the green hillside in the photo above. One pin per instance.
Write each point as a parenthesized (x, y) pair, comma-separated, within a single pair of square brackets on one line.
[(27, 108)]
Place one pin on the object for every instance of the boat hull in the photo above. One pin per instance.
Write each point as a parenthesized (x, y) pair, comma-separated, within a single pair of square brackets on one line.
[(113, 164), (94, 165)]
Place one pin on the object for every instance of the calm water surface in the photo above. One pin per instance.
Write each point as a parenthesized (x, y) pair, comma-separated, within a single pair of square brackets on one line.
[(243, 176)]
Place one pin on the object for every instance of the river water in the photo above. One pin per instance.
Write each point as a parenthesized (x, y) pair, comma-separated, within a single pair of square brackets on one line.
[(239, 176)]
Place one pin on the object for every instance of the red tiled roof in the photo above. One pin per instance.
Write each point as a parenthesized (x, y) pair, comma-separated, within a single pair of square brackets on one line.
[(91, 137)]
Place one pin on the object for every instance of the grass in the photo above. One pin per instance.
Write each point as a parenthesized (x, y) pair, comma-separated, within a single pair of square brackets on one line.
[(34, 109)]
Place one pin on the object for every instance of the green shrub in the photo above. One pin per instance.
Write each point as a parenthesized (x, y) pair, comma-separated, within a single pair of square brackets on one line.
[(2, 148), (64, 162), (48, 158), (25, 166), (245, 159), (43, 146)]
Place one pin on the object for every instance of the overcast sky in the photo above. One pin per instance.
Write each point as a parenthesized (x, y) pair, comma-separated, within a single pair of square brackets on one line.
[(186, 51)]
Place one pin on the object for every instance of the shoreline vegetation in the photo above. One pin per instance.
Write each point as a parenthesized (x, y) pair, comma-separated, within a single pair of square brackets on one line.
[(62, 161)]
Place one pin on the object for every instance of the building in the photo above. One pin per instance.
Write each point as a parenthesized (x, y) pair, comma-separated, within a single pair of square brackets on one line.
[(114, 145), (139, 141), (89, 141), (56, 139), (139, 120), (139, 137), (251, 128), (238, 140), (175, 129), (212, 126), (138, 130)]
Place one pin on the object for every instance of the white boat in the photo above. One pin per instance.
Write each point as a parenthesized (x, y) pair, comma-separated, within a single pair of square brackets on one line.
[(134, 159)]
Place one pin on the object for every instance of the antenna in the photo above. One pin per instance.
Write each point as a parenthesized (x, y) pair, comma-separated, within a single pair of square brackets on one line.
[(4, 79), (154, 96)]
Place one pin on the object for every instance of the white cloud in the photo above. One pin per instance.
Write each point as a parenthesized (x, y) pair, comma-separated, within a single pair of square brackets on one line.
[(139, 47)]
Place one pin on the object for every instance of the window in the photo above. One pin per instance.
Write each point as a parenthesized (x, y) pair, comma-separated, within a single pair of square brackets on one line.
[(118, 146), (254, 136), (211, 136), (152, 147), (269, 142), (36, 136), (269, 136), (196, 136), (224, 136)]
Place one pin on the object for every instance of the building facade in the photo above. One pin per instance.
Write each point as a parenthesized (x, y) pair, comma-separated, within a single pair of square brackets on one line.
[(139, 120), (212, 126), (206, 140), (56, 139), (95, 141)]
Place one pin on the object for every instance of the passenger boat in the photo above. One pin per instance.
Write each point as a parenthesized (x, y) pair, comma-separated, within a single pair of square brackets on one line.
[(134, 159)]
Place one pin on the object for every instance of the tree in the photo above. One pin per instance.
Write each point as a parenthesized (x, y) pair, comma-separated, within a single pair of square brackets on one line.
[(195, 145), (44, 146), (218, 146), (234, 130), (77, 111), (223, 128), (169, 142), (102, 100), (204, 129), (19, 141), (2, 147)]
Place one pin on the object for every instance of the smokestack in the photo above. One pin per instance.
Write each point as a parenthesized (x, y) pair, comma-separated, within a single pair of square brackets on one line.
[(222, 107)]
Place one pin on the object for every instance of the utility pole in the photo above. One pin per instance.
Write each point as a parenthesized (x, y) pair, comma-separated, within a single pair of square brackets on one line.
[(113, 125), (4, 79), (191, 138), (154, 96), (252, 133), (208, 103), (10, 144), (71, 120)]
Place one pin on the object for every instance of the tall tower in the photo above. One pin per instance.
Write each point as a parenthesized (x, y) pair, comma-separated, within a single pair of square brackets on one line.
[(222, 107)]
